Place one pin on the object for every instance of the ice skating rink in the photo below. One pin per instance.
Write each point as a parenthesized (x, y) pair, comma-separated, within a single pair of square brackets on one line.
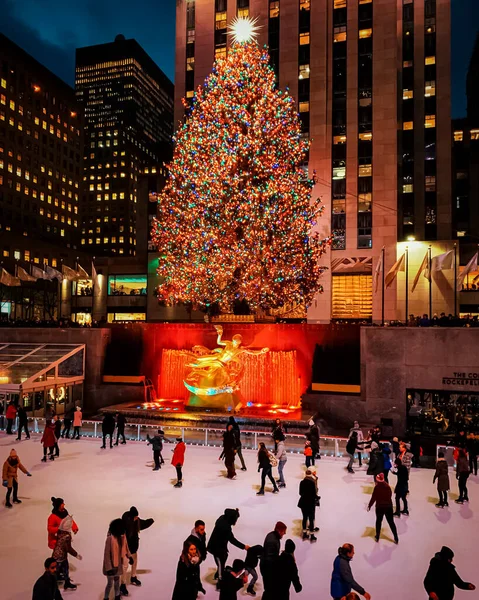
[(99, 485)]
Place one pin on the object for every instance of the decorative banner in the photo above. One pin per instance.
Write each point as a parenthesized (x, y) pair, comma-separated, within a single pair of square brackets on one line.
[(8, 280), (23, 275)]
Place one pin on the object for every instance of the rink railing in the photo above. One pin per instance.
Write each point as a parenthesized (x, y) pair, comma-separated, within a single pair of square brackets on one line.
[(202, 436)]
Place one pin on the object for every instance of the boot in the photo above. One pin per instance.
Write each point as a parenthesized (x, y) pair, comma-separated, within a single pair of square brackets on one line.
[(313, 538), (305, 535), (276, 490), (405, 512), (260, 493), (440, 505), (459, 501), (44, 459), (178, 484), (102, 447), (69, 585), (123, 590), (250, 590), (8, 504), (397, 514), (156, 468), (51, 457), (16, 501), (135, 581)]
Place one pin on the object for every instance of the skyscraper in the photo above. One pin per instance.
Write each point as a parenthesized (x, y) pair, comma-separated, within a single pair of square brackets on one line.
[(128, 103), (372, 83)]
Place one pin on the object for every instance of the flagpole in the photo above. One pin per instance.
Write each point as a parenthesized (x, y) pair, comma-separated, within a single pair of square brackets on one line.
[(430, 281), (407, 291), (455, 280), (382, 295)]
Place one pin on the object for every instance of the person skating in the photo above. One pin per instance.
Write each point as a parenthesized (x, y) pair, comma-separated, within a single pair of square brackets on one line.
[(10, 477), (342, 580), (376, 461), (46, 586), (442, 477), (178, 461), (115, 556), (120, 428), (402, 488), (462, 475), (250, 564), (48, 440), (360, 439), (352, 446), (188, 583), (472, 451), (264, 465), (229, 451), (157, 447), (133, 526), (313, 437), (22, 423), (77, 422), (405, 455), (286, 573), (395, 449), (308, 454), (198, 538), (10, 415), (62, 549), (59, 512), (415, 448), (222, 535), (386, 450), (307, 504), (382, 497), (278, 432), (234, 579), (57, 422), (271, 549), (107, 429), (442, 577), (67, 423), (281, 457), (238, 446)]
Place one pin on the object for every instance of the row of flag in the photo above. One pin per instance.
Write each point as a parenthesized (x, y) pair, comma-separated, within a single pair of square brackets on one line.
[(48, 273), (442, 262)]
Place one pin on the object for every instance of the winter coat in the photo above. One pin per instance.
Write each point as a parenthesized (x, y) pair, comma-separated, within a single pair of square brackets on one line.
[(108, 424), (187, 581), (307, 494), (462, 465), (285, 574), (281, 455), (156, 442), (46, 588), (472, 446), (179, 454), (121, 422), (441, 578), (108, 557), (10, 472), (236, 431), (342, 580), (271, 548), (229, 443), (376, 462), (386, 458), (223, 533), (22, 416), (352, 445), (308, 451), (382, 496), (53, 525), (11, 412), (230, 585), (442, 475), (63, 546), (406, 459), (58, 428), (133, 529), (402, 485), (199, 541), (263, 460), (48, 438), (313, 437), (77, 418), (253, 555), (359, 431)]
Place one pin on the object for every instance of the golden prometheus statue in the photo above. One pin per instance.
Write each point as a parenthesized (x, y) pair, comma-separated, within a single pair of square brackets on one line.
[(213, 376)]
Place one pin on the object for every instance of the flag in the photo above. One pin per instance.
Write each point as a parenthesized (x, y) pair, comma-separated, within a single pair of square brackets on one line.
[(68, 273), (399, 265), (8, 279), (424, 267), (82, 273), (94, 275), (39, 273), (379, 268), (53, 273), (469, 268), (443, 262), (23, 275)]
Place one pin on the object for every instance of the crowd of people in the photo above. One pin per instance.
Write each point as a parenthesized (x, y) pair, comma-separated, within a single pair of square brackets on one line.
[(63, 323)]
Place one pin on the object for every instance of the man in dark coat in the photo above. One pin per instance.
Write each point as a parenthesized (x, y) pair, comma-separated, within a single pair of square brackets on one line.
[(313, 437), (271, 548), (107, 428), (402, 488), (22, 423), (238, 445), (197, 537), (120, 428), (442, 577), (229, 449), (286, 573), (133, 526), (67, 423), (157, 446), (46, 586), (221, 535), (307, 504)]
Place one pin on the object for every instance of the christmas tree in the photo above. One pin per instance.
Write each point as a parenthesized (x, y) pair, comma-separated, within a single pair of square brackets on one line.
[(235, 220)]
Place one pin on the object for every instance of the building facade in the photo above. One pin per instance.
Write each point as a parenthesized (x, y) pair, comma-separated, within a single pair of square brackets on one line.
[(128, 103), (372, 83)]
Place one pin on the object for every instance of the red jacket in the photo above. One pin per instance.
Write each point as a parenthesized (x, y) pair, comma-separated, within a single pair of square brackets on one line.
[(11, 412), (179, 454), (53, 524), (382, 495), (48, 438)]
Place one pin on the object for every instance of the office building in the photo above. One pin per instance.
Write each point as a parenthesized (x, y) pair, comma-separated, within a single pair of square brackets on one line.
[(372, 83), (128, 104)]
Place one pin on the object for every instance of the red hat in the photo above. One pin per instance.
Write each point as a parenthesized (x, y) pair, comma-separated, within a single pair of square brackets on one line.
[(380, 477), (280, 526)]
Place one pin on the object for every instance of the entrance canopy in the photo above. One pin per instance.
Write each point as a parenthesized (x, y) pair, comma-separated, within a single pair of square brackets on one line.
[(30, 367)]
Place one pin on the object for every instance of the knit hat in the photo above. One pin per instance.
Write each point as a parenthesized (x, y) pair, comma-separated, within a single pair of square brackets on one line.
[(380, 478), (66, 524), (57, 502), (280, 526), (179, 439), (134, 511), (446, 553), (289, 546)]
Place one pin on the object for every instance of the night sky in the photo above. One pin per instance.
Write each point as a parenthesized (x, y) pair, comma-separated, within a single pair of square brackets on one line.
[(50, 30)]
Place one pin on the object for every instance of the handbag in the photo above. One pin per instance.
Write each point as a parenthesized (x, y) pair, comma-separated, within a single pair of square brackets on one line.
[(272, 459)]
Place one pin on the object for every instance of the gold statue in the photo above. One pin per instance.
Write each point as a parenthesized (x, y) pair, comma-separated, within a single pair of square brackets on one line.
[(216, 373)]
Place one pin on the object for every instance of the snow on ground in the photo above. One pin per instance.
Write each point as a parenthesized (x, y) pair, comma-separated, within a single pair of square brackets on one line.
[(99, 485)]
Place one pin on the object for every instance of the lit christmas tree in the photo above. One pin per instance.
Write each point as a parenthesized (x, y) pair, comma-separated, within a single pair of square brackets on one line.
[(235, 220)]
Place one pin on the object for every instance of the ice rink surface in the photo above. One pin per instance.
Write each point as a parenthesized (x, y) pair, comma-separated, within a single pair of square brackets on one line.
[(99, 485)]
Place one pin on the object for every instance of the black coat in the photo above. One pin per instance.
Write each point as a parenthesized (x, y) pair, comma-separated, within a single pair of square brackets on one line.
[(442, 577), (285, 574), (58, 429), (22, 416), (46, 588), (156, 442), (313, 437), (230, 585), (271, 548), (307, 494), (133, 529), (376, 462), (402, 485), (263, 460), (187, 581), (121, 422), (199, 541), (253, 555), (108, 424), (229, 443), (223, 533)]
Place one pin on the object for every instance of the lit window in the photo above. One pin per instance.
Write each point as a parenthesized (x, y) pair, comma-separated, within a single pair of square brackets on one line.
[(340, 36), (339, 172), (430, 184), (274, 9), (62, 232), (3, 83), (243, 13), (16, 254), (219, 54), (3, 99), (339, 139), (303, 71), (407, 94), (366, 137), (430, 88), (430, 60), (407, 125), (220, 19), (340, 3), (408, 188), (54, 262), (365, 170), (365, 33), (430, 121), (304, 4), (364, 202), (304, 107), (12, 105), (474, 134), (191, 93), (304, 39)]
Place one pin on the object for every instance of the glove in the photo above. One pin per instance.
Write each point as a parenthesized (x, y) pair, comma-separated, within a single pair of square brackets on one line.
[(29, 474), (130, 560), (5, 483), (80, 557)]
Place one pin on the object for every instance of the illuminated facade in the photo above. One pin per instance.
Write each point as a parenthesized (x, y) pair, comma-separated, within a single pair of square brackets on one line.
[(128, 103)]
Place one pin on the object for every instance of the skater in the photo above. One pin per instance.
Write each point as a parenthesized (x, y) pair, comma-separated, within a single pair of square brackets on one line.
[(62, 549), (59, 512), (402, 487), (462, 474), (22, 423), (382, 497), (133, 526), (250, 564), (67, 423), (229, 451), (198, 538), (472, 450), (115, 556), (395, 449), (120, 428), (405, 456), (157, 446), (178, 460), (308, 453), (10, 415), (77, 422), (10, 477), (442, 476), (286, 573), (188, 583), (278, 432), (234, 579), (264, 465), (313, 437), (281, 457), (342, 580), (46, 586), (107, 429), (48, 440), (58, 432), (307, 504), (386, 450), (222, 534), (442, 576), (271, 548), (238, 445), (351, 448), (376, 461), (360, 439)]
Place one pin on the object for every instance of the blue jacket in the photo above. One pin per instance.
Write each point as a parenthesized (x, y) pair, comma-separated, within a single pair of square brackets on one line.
[(342, 580)]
